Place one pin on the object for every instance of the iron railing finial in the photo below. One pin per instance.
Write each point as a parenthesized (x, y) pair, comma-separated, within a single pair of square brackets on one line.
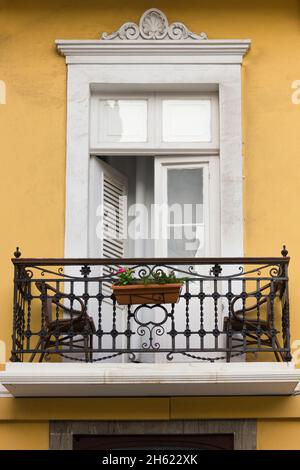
[(284, 251), (17, 253)]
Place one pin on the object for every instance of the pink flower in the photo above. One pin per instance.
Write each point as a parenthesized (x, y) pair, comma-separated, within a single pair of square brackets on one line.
[(121, 270)]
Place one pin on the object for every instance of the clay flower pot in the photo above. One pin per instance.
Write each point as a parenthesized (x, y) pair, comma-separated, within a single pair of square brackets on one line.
[(147, 293)]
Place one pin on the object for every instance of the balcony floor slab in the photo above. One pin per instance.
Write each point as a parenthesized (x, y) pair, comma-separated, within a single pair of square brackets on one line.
[(174, 379)]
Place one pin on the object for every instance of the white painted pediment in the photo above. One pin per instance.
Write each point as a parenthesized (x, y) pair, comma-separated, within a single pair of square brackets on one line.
[(153, 40), (153, 25)]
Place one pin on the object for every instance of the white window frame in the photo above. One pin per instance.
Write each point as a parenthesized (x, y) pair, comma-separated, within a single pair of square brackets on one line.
[(154, 124), (211, 194), (124, 65), (106, 148)]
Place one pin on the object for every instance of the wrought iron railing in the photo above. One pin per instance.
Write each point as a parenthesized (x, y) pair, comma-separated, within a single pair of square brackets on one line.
[(227, 307)]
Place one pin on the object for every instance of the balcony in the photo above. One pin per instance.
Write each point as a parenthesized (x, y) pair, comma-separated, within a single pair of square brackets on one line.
[(228, 332)]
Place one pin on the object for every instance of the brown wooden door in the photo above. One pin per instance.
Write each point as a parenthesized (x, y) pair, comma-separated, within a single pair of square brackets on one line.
[(154, 442)]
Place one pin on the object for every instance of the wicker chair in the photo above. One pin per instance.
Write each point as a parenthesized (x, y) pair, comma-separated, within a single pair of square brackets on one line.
[(61, 332)]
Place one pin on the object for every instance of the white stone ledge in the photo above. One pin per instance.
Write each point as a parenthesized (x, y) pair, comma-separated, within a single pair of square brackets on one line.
[(4, 393), (99, 51), (176, 379)]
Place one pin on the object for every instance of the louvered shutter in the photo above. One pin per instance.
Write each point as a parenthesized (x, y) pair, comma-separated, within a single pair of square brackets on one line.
[(107, 214), (107, 220), (114, 189)]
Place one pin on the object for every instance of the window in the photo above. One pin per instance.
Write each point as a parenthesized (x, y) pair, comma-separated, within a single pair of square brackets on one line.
[(154, 120), (122, 120), (182, 65), (186, 120), (189, 186), (122, 128)]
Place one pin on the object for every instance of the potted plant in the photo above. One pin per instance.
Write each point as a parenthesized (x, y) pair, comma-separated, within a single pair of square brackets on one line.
[(156, 288)]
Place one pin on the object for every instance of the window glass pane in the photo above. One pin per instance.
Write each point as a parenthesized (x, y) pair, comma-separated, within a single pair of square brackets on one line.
[(186, 242), (186, 120), (185, 195), (122, 120)]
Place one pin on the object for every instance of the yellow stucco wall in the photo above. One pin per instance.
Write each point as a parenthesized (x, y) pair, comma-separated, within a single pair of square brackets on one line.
[(32, 149), (24, 436), (278, 435)]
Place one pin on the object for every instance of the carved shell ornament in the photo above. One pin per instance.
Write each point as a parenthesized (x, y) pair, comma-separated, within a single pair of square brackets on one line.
[(153, 25)]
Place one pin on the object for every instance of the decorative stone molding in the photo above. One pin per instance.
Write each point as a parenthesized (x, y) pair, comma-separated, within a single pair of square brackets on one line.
[(153, 25), (153, 41)]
